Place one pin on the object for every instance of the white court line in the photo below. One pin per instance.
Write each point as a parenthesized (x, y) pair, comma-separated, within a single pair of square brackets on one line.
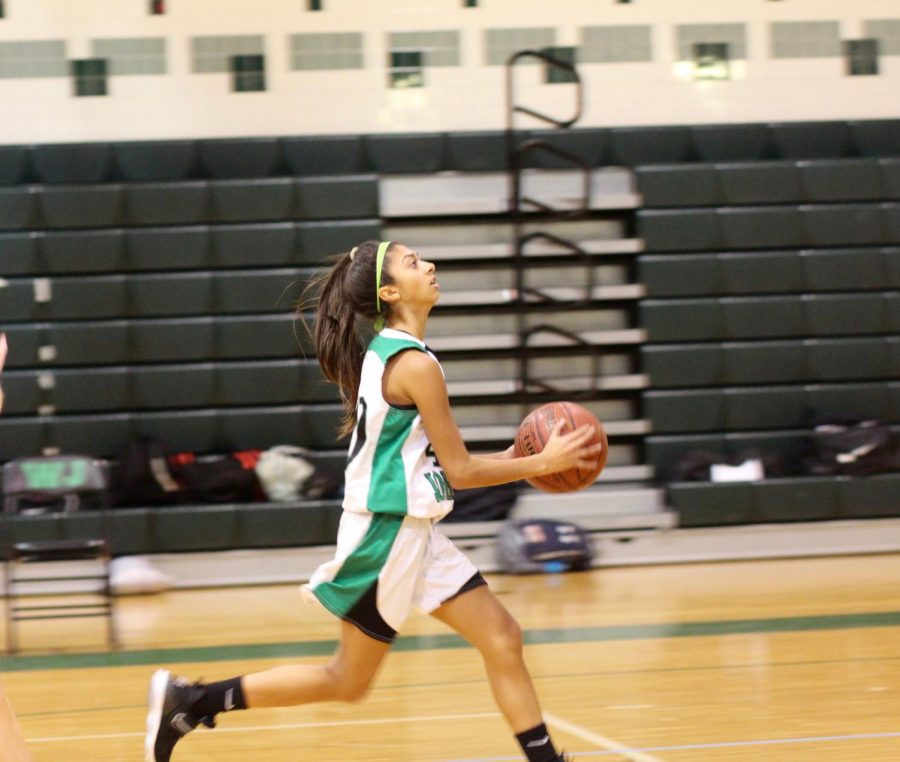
[(292, 726), (595, 738)]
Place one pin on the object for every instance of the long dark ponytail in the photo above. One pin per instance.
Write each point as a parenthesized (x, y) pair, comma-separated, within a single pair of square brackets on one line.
[(341, 295)]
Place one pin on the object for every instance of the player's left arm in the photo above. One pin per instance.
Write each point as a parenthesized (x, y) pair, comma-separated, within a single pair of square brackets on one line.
[(418, 378), (509, 452)]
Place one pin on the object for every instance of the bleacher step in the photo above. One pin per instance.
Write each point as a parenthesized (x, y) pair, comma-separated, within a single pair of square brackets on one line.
[(478, 238), (538, 248), (598, 501), (450, 193), (511, 340), (478, 297), (494, 432), (503, 386)]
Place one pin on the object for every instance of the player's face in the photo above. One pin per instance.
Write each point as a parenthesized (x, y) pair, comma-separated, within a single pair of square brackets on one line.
[(413, 276)]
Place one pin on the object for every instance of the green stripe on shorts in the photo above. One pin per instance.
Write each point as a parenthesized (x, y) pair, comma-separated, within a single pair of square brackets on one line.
[(361, 568)]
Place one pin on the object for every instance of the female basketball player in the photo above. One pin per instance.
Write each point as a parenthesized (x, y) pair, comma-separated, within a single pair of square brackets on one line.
[(12, 745), (406, 456)]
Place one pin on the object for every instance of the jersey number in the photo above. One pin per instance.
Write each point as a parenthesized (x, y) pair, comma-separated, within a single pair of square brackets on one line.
[(442, 489), (437, 479), (360, 430)]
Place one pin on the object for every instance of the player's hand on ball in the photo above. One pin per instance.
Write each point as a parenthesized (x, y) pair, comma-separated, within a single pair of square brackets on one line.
[(573, 449)]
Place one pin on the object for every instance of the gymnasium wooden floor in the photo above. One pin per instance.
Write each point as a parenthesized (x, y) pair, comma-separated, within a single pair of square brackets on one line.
[(767, 660)]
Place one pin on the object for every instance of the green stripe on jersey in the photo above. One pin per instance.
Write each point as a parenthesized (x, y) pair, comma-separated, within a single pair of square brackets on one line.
[(387, 486), (361, 568), (386, 347)]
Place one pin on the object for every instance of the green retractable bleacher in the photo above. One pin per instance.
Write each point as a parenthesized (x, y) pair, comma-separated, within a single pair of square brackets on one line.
[(167, 203), (407, 152), (14, 164), (270, 244), (476, 152), (18, 208), (759, 183), (156, 160), (171, 387), (812, 140), (676, 185), (79, 206), (770, 265), (337, 198), (168, 248), (317, 155), (253, 200), (876, 137), (772, 302), (732, 142), (73, 163), (633, 146), (92, 390), (240, 158), (825, 180), (82, 251)]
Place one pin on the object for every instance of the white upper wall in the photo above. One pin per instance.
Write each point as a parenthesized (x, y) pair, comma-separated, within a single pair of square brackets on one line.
[(37, 101)]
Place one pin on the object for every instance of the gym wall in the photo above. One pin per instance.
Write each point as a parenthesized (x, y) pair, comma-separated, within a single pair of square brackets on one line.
[(368, 66)]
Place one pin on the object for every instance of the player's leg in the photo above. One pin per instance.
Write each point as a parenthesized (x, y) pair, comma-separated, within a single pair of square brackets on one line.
[(12, 745), (178, 706), (482, 620), (346, 677), (365, 586)]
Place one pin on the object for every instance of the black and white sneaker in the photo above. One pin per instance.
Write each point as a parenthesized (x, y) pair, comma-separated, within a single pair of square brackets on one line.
[(170, 718)]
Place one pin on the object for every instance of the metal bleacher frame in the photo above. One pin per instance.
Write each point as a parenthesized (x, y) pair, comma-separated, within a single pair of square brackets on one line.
[(534, 270), (522, 208)]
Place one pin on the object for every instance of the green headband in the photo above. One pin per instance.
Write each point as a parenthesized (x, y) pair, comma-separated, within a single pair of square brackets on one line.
[(379, 264)]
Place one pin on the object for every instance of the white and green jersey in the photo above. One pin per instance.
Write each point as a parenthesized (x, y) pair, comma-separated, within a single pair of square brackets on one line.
[(391, 467)]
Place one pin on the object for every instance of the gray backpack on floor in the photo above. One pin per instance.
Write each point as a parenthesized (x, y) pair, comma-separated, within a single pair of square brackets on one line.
[(533, 546)]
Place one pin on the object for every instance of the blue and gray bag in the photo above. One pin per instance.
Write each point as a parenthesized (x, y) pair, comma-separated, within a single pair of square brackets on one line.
[(534, 546)]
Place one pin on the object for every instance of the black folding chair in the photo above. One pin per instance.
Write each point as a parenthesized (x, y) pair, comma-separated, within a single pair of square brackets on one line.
[(40, 496)]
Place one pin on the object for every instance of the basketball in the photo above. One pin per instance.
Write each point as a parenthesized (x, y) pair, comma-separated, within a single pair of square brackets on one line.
[(535, 430)]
